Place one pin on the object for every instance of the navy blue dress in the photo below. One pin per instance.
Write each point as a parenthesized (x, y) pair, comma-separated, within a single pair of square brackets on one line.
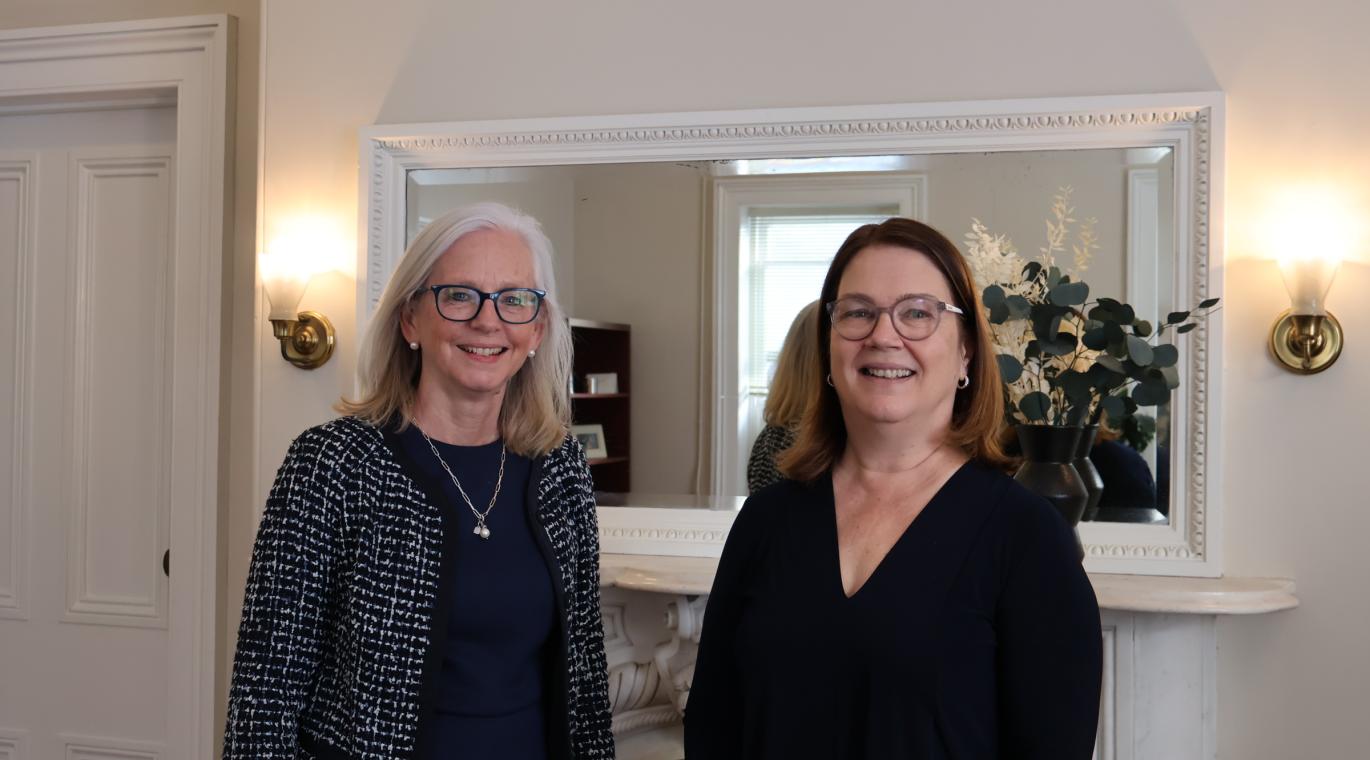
[(976, 637), (501, 622)]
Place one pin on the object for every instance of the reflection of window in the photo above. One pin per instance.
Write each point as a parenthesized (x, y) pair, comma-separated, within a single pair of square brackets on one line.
[(775, 236), (788, 252)]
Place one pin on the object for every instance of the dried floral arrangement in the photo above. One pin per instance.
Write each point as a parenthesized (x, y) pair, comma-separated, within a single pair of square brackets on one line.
[(1066, 359)]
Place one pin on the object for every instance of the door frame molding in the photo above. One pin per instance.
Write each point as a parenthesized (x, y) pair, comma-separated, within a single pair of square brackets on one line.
[(91, 66)]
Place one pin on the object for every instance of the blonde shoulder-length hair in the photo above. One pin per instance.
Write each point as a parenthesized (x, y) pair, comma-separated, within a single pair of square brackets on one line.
[(536, 413), (796, 371)]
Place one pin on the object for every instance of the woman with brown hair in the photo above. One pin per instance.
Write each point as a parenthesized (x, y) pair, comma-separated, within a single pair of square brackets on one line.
[(899, 596), (796, 377)]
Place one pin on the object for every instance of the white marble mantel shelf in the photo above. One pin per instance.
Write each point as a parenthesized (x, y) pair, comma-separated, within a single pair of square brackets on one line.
[(1128, 593)]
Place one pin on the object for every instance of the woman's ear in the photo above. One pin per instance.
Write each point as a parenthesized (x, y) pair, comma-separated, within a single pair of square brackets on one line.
[(408, 329)]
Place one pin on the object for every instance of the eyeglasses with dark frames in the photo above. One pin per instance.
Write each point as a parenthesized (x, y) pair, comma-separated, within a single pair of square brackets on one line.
[(462, 303), (914, 317)]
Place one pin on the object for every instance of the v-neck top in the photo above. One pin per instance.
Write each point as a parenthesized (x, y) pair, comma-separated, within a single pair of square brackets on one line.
[(501, 614), (977, 636)]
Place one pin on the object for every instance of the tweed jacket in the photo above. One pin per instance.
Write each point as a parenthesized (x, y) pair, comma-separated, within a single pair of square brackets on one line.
[(339, 646)]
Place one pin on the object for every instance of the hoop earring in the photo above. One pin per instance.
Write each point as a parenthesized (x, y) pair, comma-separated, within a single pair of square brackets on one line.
[(413, 346), (830, 380), (964, 382)]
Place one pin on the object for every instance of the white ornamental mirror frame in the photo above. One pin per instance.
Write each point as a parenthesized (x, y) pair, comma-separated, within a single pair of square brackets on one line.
[(1190, 124)]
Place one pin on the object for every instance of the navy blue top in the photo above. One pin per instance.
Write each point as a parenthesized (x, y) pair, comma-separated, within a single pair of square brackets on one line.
[(502, 619), (977, 636)]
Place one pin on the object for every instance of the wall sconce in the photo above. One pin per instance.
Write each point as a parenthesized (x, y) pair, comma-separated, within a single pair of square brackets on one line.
[(306, 337), (1307, 338)]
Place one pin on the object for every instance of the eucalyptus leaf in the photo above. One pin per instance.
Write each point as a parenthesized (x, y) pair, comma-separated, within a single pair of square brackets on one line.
[(1141, 328), (1114, 407), (1035, 406), (993, 295), (1064, 343), (1018, 307), (1110, 363), (1182, 329), (1069, 294), (1113, 333), (1095, 339), (1009, 368), (1171, 376), (1126, 314), (998, 313), (1139, 351), (1031, 270), (1077, 386), (1053, 277), (1176, 317), (1208, 303), (1150, 394), (1164, 355)]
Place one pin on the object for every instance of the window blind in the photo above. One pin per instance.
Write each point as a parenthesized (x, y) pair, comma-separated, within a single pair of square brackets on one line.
[(788, 253)]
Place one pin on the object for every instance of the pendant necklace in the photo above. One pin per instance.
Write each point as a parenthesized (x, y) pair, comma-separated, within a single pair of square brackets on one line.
[(480, 529)]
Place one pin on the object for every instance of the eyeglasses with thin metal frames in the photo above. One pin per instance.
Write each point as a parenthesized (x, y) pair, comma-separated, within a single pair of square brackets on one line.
[(860, 328)]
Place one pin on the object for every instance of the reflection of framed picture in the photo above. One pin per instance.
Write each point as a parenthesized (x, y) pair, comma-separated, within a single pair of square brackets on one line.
[(592, 438), (602, 382)]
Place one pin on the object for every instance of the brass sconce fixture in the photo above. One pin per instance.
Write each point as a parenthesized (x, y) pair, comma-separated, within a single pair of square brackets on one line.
[(306, 337), (1306, 338)]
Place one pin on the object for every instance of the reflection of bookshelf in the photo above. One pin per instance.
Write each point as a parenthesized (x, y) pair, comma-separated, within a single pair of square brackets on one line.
[(604, 347)]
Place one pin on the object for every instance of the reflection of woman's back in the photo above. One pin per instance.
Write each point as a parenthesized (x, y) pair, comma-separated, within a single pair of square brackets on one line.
[(1126, 475), (796, 371)]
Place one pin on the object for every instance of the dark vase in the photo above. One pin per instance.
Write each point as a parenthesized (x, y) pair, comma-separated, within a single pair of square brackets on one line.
[(1094, 483), (1048, 451)]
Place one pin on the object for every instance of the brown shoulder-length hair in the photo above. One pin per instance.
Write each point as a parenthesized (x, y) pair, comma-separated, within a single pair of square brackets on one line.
[(977, 415)]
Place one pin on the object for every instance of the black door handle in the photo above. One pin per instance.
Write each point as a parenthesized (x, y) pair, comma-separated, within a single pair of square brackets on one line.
[(166, 563)]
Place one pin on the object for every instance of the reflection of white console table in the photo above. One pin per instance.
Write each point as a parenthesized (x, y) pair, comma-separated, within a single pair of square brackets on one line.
[(1160, 653)]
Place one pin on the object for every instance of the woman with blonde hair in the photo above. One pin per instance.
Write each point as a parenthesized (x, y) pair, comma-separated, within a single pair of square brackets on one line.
[(795, 380), (945, 611), (425, 581)]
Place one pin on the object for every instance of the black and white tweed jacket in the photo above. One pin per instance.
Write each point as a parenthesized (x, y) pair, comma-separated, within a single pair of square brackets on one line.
[(337, 651)]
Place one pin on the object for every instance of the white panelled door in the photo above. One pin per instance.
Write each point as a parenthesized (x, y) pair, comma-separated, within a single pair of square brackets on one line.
[(87, 381)]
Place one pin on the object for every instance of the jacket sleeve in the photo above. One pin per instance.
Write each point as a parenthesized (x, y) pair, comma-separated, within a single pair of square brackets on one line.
[(591, 731), (285, 608), (714, 712), (1050, 644)]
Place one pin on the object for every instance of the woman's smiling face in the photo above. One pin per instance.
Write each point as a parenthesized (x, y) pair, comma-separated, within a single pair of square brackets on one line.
[(885, 377), (478, 357)]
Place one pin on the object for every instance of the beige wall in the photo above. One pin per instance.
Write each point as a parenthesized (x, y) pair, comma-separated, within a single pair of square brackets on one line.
[(639, 260)]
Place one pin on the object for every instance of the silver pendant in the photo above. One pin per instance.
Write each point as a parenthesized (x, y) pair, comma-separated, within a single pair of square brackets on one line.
[(481, 530)]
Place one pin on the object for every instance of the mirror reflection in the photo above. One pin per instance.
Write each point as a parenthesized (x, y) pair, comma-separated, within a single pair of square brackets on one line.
[(697, 270)]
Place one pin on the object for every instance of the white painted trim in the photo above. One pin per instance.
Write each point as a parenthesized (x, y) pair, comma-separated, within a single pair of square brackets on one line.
[(14, 600), (14, 744), (1190, 124), (190, 56), (81, 747)]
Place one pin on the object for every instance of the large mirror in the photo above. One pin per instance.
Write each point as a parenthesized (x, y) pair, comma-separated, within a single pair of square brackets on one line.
[(706, 240)]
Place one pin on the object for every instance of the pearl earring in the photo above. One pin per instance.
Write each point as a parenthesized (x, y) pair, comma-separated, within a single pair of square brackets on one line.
[(532, 353), (413, 346)]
